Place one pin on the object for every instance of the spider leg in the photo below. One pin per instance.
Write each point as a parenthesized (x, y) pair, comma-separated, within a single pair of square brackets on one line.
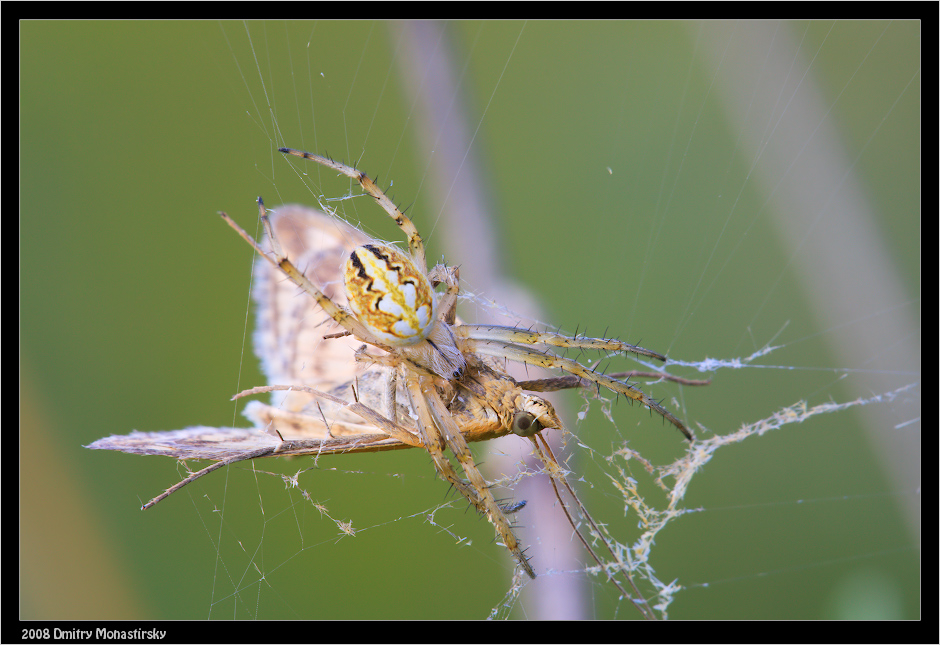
[(543, 359), (527, 337), (556, 383), (557, 475), (282, 263), (438, 429), (434, 442), (415, 243), (450, 277)]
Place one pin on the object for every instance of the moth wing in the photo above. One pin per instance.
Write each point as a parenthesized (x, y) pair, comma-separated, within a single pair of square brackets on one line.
[(290, 324), (192, 443), (218, 444), (289, 341)]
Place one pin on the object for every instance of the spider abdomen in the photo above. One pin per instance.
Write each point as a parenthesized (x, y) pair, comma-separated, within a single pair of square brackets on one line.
[(389, 295)]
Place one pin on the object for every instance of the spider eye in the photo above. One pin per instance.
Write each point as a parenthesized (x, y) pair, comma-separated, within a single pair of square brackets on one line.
[(525, 424)]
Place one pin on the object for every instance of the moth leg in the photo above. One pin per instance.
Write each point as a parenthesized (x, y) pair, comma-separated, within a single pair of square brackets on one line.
[(388, 426)]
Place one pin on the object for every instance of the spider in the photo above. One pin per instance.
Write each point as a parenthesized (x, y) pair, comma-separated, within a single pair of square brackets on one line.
[(434, 383)]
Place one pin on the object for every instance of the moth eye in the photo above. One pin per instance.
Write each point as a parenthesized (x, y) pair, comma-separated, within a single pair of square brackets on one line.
[(389, 295), (525, 424)]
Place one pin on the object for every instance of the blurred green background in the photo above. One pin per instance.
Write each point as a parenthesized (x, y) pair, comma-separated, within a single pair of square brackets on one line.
[(625, 196)]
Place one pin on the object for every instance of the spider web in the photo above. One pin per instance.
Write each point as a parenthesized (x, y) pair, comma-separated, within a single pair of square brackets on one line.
[(648, 493), (741, 197)]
